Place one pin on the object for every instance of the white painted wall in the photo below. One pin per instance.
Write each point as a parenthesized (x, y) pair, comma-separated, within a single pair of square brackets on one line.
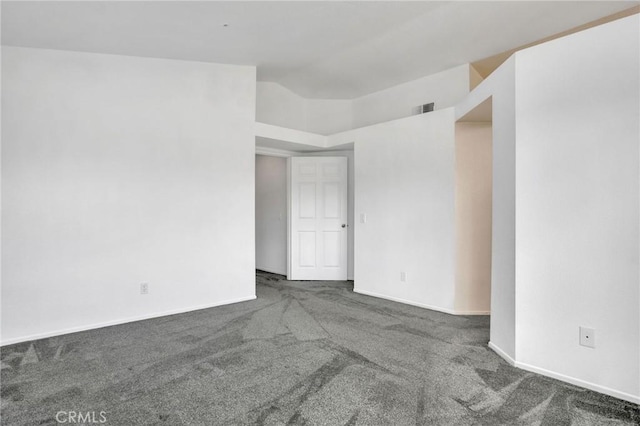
[(404, 173), (119, 170), (271, 214), (329, 116), (577, 192), (445, 88), (473, 217), (279, 106), (503, 287), (577, 171), (500, 86)]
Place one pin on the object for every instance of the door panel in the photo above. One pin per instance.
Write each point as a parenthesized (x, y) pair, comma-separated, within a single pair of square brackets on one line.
[(331, 200), (318, 218), (307, 200), (307, 246), (331, 255)]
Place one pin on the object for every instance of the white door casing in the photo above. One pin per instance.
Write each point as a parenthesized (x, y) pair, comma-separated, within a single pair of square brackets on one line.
[(317, 218)]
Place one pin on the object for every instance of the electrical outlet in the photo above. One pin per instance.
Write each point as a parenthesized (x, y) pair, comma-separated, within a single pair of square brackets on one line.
[(587, 337), (144, 288), (403, 277), (363, 218)]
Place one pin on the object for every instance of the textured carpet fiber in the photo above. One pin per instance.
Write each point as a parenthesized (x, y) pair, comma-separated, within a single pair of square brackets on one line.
[(311, 353)]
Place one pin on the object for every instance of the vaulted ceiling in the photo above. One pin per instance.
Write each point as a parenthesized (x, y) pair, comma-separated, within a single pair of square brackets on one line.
[(319, 49)]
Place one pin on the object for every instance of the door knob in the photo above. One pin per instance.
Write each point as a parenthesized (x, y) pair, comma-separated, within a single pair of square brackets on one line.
[(344, 225)]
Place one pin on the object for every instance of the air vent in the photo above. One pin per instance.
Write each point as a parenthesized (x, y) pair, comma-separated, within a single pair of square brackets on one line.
[(425, 108)]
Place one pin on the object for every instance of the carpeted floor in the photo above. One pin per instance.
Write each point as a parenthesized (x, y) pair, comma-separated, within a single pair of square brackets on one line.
[(312, 353)]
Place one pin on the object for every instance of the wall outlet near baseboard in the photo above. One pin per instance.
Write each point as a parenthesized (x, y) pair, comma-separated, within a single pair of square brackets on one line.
[(403, 277), (587, 337), (144, 288)]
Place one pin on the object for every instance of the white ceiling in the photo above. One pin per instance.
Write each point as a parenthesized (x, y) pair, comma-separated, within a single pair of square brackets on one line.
[(317, 49)]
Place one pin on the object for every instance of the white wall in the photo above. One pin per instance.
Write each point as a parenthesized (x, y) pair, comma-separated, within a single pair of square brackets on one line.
[(279, 106), (329, 116), (404, 173), (445, 88), (575, 160), (473, 217), (503, 288), (120, 170), (578, 131), (271, 214)]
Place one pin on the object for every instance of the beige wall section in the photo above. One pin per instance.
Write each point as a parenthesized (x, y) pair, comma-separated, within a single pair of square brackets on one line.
[(474, 77), (473, 216)]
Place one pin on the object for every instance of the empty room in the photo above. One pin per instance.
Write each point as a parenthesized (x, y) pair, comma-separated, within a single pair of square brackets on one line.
[(320, 213)]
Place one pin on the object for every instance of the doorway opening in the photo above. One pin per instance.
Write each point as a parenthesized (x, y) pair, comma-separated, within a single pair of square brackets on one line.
[(272, 212), (473, 200)]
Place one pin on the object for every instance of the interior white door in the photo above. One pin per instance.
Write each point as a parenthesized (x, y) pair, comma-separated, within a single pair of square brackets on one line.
[(317, 218)]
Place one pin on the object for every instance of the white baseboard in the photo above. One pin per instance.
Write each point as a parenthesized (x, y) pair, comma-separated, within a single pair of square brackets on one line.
[(119, 321), (459, 312), (502, 354), (578, 382), (420, 305), (562, 377)]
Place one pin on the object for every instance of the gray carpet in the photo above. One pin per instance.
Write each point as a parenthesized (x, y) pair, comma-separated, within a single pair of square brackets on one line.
[(312, 353)]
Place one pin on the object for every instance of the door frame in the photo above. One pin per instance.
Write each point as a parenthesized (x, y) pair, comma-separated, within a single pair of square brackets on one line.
[(345, 222), (283, 153)]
